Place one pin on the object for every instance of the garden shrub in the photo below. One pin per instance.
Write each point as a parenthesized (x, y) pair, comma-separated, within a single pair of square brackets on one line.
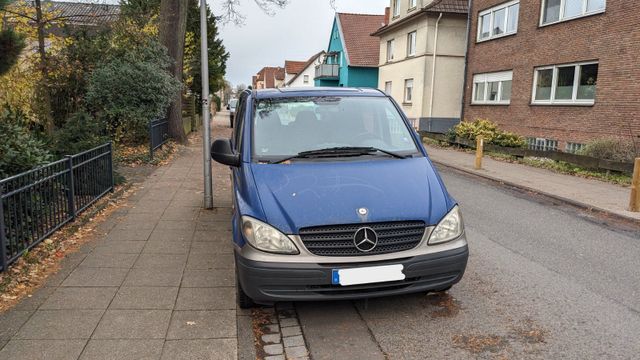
[(130, 90), (81, 132), (611, 149), (20, 150), (489, 132)]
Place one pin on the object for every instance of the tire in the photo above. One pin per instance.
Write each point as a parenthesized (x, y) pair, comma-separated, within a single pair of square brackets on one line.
[(244, 301)]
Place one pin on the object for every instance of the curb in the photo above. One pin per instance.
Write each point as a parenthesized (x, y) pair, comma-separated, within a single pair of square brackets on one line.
[(571, 202)]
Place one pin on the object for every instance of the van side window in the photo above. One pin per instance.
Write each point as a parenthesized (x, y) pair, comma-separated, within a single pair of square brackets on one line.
[(239, 119)]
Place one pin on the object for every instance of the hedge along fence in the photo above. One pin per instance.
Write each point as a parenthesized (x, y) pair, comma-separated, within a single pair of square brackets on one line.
[(38, 202), (575, 159)]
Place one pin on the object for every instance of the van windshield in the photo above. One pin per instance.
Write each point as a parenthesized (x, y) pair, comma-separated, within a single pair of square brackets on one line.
[(286, 127)]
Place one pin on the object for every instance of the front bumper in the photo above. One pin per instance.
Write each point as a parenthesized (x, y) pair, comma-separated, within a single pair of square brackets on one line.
[(267, 282)]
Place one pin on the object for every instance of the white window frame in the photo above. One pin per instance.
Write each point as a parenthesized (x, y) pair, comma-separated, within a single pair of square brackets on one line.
[(412, 42), (413, 4), (492, 11), (404, 98), (388, 87), (390, 46), (576, 83), (561, 17), (396, 8), (305, 79), (487, 78)]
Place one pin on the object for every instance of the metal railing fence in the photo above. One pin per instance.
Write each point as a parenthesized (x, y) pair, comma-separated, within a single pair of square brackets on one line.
[(36, 203), (158, 134)]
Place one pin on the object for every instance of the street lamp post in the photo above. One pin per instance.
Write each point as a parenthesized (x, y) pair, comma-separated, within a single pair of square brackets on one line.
[(206, 133)]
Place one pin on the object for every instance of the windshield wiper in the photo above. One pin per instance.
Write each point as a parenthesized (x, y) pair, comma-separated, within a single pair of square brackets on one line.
[(338, 152)]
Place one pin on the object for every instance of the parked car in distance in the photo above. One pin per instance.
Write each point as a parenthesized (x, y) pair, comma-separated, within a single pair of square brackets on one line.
[(336, 198), (231, 106)]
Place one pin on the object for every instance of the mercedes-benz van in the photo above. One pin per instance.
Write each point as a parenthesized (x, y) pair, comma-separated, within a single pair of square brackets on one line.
[(334, 197)]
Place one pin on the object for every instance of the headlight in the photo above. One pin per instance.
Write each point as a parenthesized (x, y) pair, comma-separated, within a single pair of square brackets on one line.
[(266, 238), (449, 228)]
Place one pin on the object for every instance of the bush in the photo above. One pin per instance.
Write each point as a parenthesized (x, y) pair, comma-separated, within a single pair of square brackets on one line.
[(81, 132), (127, 92), (489, 132), (611, 149), (19, 149)]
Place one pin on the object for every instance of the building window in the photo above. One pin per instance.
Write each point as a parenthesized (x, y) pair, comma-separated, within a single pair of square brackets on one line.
[(387, 87), (492, 88), (542, 144), (306, 79), (413, 4), (574, 148), (390, 50), (560, 10), (408, 91), (411, 43), (566, 84), (498, 21), (396, 8)]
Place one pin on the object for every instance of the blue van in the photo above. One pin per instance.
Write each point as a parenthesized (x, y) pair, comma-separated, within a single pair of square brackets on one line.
[(335, 198)]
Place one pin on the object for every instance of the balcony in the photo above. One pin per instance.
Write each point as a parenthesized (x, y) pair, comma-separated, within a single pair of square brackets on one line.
[(327, 71)]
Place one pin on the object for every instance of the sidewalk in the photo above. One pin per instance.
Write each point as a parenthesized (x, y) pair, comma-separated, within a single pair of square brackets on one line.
[(157, 284), (581, 192)]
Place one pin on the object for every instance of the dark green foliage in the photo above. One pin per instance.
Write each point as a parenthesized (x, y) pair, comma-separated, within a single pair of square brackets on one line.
[(139, 11), (79, 58), (11, 45), (19, 149), (81, 132), (218, 55), (130, 90)]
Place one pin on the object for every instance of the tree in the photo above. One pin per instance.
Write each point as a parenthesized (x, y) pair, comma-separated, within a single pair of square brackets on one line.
[(11, 45), (172, 29), (218, 55)]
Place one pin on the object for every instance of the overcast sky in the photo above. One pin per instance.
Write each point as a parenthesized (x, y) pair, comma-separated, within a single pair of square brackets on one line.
[(295, 33)]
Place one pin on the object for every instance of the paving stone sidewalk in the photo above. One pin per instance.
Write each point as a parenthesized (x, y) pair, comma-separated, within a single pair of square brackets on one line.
[(158, 284), (587, 193)]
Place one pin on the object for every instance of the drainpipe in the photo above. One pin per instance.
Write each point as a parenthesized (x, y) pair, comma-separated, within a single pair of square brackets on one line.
[(433, 67), (466, 62)]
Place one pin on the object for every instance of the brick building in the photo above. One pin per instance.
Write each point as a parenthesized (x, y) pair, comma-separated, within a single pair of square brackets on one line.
[(559, 72)]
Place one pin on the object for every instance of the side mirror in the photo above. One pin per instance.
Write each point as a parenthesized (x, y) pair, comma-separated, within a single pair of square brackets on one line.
[(221, 152)]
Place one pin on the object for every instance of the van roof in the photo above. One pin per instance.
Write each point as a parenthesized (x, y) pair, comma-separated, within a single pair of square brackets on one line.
[(316, 91)]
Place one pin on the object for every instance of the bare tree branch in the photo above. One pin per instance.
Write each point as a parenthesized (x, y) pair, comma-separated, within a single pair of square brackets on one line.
[(231, 12)]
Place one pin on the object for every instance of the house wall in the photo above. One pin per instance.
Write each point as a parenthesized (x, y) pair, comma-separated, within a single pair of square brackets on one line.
[(310, 71), (449, 78), (335, 45), (362, 77), (612, 38)]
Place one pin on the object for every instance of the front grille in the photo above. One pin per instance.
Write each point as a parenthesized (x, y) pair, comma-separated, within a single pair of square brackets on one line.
[(337, 240)]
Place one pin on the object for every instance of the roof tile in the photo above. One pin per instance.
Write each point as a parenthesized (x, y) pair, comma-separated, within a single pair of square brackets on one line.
[(362, 48)]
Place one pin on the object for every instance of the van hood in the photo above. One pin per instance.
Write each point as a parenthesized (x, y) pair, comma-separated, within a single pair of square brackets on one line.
[(303, 194)]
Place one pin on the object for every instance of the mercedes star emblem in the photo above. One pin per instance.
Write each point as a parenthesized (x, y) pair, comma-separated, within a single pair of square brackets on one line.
[(365, 239)]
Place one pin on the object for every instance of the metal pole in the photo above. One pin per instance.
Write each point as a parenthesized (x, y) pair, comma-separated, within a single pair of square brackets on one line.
[(206, 133)]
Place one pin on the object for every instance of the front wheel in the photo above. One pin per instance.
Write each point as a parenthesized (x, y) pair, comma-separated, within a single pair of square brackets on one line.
[(244, 301)]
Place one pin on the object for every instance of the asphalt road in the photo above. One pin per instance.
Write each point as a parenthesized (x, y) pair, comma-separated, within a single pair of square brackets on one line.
[(543, 281)]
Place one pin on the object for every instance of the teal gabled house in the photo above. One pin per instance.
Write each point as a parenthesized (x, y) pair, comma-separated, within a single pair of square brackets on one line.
[(353, 54)]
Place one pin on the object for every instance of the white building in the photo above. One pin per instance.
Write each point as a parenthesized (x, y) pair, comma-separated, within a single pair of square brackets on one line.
[(304, 77)]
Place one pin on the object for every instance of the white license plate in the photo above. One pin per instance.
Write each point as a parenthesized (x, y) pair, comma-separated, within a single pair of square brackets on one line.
[(367, 275)]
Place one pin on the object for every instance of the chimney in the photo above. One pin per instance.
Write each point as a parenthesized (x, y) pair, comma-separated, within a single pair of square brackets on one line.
[(387, 12)]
